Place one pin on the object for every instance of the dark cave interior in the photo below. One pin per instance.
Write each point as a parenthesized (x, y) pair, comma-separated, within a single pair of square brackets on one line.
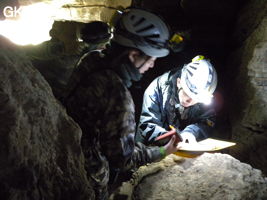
[(231, 33)]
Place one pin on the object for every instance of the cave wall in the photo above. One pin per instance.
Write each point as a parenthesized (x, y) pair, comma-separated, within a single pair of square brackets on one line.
[(247, 78), (40, 152), (82, 10)]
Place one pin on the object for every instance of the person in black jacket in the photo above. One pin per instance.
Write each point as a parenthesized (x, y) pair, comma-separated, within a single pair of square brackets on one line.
[(179, 98)]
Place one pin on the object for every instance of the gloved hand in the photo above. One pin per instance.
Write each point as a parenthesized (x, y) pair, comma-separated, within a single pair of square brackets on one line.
[(171, 146)]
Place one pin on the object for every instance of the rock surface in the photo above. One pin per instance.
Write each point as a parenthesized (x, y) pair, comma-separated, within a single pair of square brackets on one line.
[(82, 10), (247, 79), (209, 176), (40, 155)]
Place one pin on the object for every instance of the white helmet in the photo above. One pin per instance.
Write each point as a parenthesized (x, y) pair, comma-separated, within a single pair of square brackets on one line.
[(143, 30), (199, 80)]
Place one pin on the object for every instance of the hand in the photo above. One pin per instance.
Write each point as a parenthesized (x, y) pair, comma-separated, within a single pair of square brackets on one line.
[(171, 146)]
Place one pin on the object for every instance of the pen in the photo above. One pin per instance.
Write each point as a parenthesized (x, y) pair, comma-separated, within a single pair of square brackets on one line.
[(169, 134)]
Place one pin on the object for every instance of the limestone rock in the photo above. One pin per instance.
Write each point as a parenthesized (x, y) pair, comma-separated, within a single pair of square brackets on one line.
[(82, 10), (209, 176), (247, 75), (40, 155)]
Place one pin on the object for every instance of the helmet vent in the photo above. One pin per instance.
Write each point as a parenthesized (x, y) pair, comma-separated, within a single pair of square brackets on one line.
[(151, 26), (140, 21), (193, 67), (152, 36), (143, 30), (190, 73), (190, 86)]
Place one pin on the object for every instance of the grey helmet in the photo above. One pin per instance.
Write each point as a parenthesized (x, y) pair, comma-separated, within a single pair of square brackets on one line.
[(199, 79), (143, 30)]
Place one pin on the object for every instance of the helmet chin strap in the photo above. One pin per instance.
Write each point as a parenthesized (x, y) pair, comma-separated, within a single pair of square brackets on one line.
[(143, 63)]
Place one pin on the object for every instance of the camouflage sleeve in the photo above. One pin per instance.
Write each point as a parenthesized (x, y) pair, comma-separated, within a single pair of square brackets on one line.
[(143, 154), (118, 127)]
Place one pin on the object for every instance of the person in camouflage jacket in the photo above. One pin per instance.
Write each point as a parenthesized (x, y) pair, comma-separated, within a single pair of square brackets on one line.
[(99, 101)]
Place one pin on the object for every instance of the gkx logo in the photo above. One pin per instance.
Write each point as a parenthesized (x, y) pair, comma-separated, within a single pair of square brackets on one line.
[(11, 11)]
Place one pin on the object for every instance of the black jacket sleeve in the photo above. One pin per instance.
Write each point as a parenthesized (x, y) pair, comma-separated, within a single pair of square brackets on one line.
[(152, 117), (202, 121)]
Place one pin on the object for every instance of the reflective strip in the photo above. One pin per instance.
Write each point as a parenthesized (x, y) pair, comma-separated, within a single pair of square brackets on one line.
[(198, 58)]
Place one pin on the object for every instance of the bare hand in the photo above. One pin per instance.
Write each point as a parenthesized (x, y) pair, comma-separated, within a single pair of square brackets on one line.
[(171, 146)]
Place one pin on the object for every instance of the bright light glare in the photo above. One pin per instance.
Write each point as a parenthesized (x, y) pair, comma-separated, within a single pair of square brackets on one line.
[(207, 101), (205, 97), (31, 27)]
